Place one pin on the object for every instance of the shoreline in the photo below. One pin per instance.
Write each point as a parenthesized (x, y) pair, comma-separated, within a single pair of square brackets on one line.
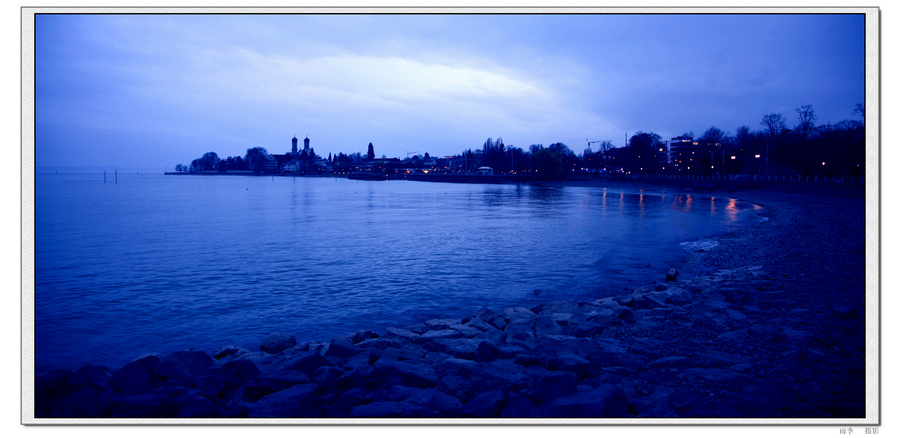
[(775, 288)]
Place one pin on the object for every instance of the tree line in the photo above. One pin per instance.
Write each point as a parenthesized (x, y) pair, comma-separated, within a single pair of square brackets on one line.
[(803, 149)]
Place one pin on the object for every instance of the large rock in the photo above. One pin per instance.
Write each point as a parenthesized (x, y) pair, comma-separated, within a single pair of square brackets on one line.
[(551, 385), (407, 373), (446, 405), (517, 314), (137, 377), (545, 325), (309, 362), (605, 401), (572, 363), (298, 401), (278, 342), (486, 404)]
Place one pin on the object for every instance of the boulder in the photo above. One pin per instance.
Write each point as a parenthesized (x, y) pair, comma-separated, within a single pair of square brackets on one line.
[(446, 405), (572, 363), (342, 406), (520, 331), (298, 401), (338, 353), (483, 314), (545, 325), (517, 314), (137, 377), (551, 385), (278, 342), (409, 373), (486, 404), (309, 362), (605, 401), (362, 336)]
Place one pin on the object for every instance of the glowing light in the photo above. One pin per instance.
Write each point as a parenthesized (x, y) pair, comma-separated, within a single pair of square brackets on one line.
[(757, 155), (733, 157)]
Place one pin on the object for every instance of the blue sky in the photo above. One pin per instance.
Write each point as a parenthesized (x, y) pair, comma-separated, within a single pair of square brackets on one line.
[(147, 92)]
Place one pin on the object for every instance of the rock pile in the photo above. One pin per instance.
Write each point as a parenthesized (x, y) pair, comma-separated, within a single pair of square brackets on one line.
[(731, 344)]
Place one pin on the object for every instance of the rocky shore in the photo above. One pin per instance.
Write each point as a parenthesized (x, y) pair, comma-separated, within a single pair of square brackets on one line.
[(769, 324)]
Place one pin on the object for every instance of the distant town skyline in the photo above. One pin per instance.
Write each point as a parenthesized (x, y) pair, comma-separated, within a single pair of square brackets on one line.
[(147, 91)]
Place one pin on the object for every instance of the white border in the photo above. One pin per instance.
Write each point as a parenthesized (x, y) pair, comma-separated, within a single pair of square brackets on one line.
[(873, 345)]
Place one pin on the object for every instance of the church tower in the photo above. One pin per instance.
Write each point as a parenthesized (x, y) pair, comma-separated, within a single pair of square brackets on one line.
[(294, 147), (306, 143)]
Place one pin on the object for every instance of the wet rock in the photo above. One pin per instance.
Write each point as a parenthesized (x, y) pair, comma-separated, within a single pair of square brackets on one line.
[(237, 372), (197, 406), (517, 314), (298, 401), (480, 325), (230, 350), (278, 342), (89, 376), (362, 336), (586, 329), (137, 377), (486, 404), (400, 334), (623, 313), (605, 401), (551, 385), (572, 363), (342, 406), (308, 362), (273, 381), (446, 405), (338, 353), (544, 325), (326, 376), (518, 406), (520, 331), (407, 373), (483, 314), (466, 331), (656, 405)]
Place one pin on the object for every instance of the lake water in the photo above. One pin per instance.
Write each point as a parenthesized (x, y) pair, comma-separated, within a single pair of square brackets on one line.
[(155, 263)]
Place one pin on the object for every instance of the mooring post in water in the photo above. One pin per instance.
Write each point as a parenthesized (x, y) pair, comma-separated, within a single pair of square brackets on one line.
[(104, 177), (117, 176)]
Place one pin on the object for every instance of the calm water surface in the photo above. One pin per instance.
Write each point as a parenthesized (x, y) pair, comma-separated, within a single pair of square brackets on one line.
[(159, 263)]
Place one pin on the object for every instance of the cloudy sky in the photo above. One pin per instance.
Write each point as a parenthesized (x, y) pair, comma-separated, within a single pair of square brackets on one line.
[(147, 92)]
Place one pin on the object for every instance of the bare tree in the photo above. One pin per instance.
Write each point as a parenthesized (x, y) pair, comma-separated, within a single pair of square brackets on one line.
[(807, 121), (774, 124)]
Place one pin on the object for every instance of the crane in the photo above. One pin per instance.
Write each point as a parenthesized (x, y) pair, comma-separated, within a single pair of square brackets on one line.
[(596, 141)]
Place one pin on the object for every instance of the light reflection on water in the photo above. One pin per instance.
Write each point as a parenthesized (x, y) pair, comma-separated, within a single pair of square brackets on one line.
[(157, 264)]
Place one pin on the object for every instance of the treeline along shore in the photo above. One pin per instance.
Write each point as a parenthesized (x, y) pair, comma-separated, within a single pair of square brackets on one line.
[(768, 324)]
